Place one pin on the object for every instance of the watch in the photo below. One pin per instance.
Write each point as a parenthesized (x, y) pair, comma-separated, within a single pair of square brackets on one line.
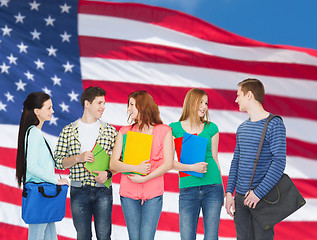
[(109, 174)]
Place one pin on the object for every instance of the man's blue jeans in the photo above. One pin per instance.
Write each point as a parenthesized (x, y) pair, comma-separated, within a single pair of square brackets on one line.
[(209, 198), (88, 201), (246, 227), (141, 220)]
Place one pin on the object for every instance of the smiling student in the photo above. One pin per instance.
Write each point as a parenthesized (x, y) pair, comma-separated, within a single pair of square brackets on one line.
[(37, 108), (197, 193), (142, 196), (88, 195)]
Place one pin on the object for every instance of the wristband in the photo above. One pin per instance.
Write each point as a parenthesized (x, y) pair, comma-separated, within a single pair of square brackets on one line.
[(109, 174)]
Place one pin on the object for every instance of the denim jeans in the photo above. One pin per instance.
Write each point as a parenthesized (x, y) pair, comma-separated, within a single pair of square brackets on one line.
[(209, 198), (88, 201), (141, 220), (44, 231), (246, 227)]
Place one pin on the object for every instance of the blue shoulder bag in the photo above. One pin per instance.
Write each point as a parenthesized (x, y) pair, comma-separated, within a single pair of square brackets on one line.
[(43, 202)]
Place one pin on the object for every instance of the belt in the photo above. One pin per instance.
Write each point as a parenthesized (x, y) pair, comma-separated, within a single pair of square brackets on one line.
[(79, 184)]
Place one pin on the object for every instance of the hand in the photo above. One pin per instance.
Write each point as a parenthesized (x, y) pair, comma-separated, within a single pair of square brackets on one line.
[(200, 167), (250, 199), (63, 181), (230, 207), (144, 167), (86, 157), (136, 178), (102, 176)]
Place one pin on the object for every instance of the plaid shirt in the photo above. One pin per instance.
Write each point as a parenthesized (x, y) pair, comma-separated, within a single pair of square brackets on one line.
[(68, 145)]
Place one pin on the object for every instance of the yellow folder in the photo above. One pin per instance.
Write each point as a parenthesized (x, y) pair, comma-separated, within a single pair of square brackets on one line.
[(137, 148), (101, 162)]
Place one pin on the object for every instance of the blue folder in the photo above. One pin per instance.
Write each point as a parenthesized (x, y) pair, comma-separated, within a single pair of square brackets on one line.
[(193, 151)]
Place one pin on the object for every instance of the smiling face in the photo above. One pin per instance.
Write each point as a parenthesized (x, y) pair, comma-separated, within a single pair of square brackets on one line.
[(96, 107), (45, 113), (203, 107), (132, 110), (242, 100)]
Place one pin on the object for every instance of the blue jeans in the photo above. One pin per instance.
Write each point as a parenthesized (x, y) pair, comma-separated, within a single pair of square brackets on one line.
[(88, 201), (141, 220), (44, 231), (246, 227), (209, 198)]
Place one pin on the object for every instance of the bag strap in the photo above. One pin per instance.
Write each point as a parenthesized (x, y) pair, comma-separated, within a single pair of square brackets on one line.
[(268, 119), (25, 154)]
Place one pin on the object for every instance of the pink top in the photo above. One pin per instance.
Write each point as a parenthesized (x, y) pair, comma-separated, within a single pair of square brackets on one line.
[(155, 186)]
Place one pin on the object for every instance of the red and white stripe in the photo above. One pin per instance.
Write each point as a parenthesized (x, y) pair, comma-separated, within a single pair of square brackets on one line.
[(127, 47)]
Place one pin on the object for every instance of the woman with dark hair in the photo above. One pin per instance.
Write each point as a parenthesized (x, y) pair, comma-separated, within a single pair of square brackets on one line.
[(141, 196), (38, 164), (197, 193)]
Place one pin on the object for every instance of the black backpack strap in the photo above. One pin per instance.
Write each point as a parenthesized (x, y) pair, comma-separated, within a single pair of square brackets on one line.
[(268, 119)]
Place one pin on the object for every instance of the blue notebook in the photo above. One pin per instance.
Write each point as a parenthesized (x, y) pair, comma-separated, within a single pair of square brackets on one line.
[(193, 151)]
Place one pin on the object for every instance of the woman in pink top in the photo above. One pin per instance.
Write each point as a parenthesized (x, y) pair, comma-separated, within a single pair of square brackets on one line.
[(141, 196)]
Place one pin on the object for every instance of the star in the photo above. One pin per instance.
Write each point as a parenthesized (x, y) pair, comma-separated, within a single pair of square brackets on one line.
[(68, 67), (9, 97), (4, 3), (4, 68), (6, 31), (49, 21), (64, 107), (56, 80), (22, 47), (20, 85), (51, 51), (39, 64), (47, 91), (65, 37), (36, 34), (65, 8), (19, 18), (12, 59), (3, 106), (29, 76), (73, 96), (53, 120), (35, 5)]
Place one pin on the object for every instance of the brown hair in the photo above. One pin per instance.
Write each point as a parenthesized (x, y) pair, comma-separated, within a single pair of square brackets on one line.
[(28, 118), (255, 86), (191, 104), (149, 113), (90, 94)]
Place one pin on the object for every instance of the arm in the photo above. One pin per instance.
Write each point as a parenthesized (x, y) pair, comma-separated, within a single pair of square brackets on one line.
[(277, 141), (61, 155), (166, 166), (33, 158), (118, 166), (214, 151)]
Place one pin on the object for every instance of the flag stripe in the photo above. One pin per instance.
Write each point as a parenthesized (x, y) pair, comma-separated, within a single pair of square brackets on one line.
[(137, 51), (180, 76), (179, 22), (218, 98)]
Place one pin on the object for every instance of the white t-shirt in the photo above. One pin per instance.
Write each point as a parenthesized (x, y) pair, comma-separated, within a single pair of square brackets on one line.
[(88, 134)]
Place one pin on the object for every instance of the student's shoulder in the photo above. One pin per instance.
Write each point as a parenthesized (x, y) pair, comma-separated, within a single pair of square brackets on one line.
[(174, 125), (211, 127), (108, 128)]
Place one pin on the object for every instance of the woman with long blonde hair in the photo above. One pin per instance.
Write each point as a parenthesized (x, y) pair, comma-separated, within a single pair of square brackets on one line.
[(197, 193)]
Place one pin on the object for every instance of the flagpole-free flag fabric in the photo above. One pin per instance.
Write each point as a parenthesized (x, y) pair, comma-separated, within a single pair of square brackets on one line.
[(63, 46)]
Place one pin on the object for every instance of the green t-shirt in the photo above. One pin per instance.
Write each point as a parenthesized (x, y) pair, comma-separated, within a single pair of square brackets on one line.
[(212, 176)]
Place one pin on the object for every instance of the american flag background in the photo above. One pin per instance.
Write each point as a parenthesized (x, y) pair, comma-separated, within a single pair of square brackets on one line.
[(63, 46)]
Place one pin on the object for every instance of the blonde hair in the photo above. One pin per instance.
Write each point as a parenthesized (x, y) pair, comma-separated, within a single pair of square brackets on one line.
[(191, 104)]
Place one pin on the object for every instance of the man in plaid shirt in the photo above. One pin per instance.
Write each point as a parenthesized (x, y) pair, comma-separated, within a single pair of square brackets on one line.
[(88, 195)]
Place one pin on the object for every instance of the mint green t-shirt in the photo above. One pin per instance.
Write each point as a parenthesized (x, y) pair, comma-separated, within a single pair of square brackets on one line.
[(212, 176)]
